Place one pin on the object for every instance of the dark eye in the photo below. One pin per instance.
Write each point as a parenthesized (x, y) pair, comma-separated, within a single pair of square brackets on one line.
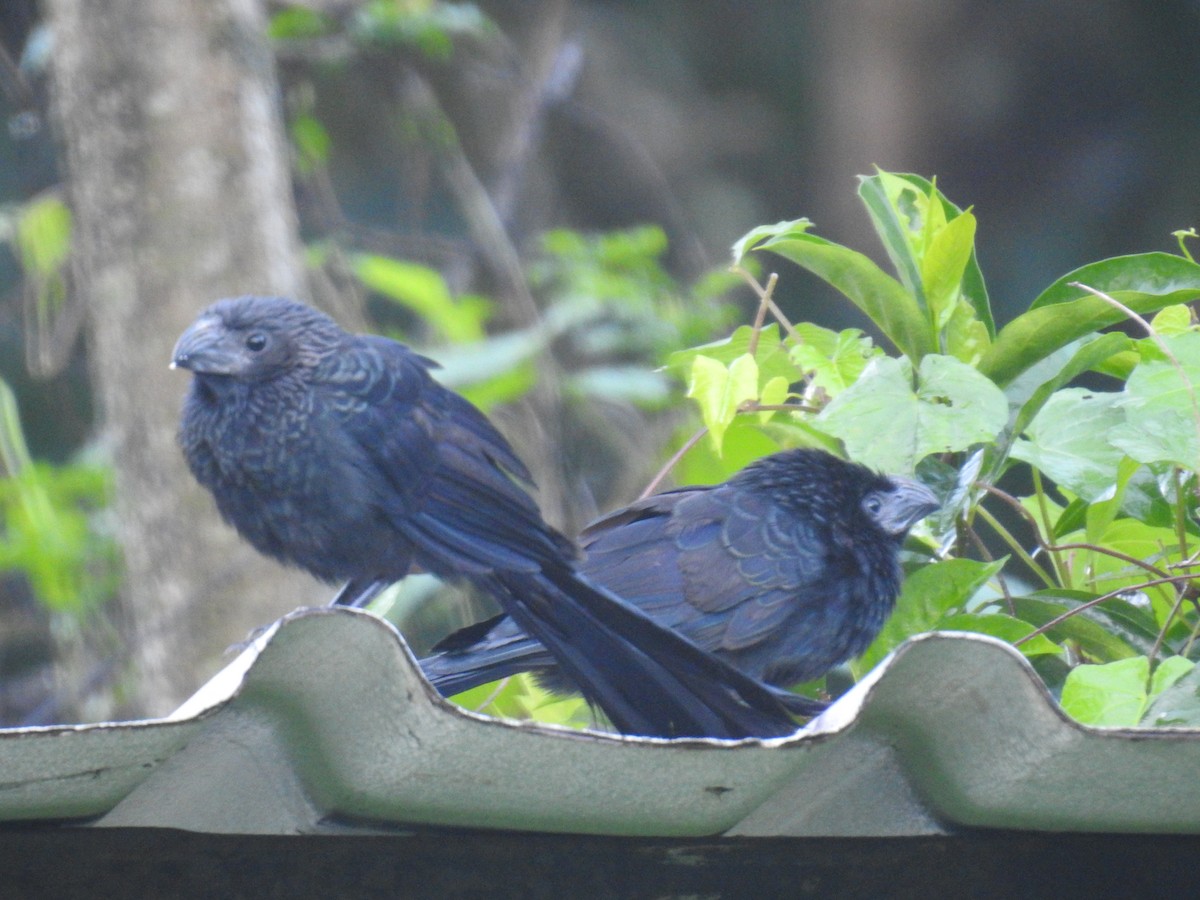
[(873, 504), (256, 341)]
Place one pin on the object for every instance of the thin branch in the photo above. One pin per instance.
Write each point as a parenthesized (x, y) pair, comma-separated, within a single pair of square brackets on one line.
[(672, 462)]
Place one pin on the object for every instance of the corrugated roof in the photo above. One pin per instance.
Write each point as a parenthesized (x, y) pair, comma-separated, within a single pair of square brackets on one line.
[(327, 718)]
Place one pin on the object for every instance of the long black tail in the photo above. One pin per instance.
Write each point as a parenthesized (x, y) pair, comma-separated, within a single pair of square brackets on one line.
[(647, 679), (454, 671)]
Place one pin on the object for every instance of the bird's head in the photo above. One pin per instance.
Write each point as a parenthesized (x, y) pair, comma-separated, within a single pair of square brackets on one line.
[(899, 506), (255, 339)]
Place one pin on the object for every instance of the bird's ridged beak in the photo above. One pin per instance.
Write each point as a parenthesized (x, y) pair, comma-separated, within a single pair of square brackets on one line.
[(907, 505), (205, 347)]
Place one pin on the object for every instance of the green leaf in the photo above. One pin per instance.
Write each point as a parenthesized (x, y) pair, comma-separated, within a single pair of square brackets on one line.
[(1162, 411), (966, 337), (756, 236), (868, 287), (833, 359), (425, 292), (896, 202), (1179, 703), (1069, 440), (927, 595), (1113, 694), (1034, 387), (1167, 673), (771, 355), (888, 425), (943, 266), (1112, 630), (1002, 626), (1172, 320), (1144, 282), (745, 441), (312, 143), (44, 235), (720, 391)]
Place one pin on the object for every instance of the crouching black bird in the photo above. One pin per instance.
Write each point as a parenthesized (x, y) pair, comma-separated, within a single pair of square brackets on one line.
[(785, 570), (340, 454)]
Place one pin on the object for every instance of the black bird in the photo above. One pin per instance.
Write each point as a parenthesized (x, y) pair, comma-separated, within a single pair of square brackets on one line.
[(340, 454), (786, 570)]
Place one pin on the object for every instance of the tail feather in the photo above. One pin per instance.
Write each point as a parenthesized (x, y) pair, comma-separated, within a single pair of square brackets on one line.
[(454, 672), (646, 678)]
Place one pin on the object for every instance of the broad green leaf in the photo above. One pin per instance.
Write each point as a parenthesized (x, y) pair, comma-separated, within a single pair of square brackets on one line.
[(1068, 440), (1034, 387), (720, 391), (927, 595), (1145, 283), (1167, 673), (1161, 403), (1179, 703), (1113, 694), (1172, 320), (868, 287), (888, 425), (1002, 626)]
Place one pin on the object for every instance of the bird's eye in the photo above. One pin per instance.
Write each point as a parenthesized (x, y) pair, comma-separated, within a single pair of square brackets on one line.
[(256, 341), (873, 504)]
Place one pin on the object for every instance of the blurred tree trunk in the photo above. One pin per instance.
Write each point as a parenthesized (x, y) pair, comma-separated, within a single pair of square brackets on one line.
[(178, 177)]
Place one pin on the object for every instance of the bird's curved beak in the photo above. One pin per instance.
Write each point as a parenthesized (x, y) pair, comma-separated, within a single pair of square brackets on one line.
[(907, 505), (205, 347)]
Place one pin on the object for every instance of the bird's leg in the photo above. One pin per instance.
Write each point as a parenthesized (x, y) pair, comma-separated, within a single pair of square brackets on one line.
[(358, 592)]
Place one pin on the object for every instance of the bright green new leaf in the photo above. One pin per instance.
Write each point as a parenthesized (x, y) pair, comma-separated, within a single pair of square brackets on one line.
[(966, 338), (1113, 694), (906, 211), (1173, 320), (943, 265), (774, 393), (720, 391), (770, 354)]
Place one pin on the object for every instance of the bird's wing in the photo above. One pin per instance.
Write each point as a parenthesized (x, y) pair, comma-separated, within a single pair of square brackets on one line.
[(723, 565), (445, 477)]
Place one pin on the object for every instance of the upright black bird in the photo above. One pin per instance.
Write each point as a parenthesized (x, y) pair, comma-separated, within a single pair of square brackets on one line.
[(340, 454), (786, 570)]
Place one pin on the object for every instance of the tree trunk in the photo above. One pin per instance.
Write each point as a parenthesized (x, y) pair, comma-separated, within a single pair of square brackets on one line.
[(178, 178)]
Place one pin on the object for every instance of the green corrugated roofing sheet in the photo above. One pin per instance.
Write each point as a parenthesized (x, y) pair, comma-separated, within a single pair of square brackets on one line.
[(327, 720)]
